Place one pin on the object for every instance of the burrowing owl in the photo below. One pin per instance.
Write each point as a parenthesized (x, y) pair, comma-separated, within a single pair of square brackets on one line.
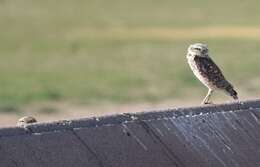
[(26, 120), (207, 71)]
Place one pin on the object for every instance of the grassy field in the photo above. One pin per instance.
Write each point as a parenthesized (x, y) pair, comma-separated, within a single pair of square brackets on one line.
[(121, 51)]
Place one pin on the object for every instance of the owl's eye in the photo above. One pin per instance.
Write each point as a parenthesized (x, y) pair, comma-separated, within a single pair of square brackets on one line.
[(205, 51), (197, 49)]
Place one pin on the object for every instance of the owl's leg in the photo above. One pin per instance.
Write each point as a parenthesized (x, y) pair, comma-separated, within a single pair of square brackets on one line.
[(207, 98)]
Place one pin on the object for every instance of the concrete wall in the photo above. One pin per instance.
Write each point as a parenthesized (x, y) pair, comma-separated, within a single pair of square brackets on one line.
[(212, 136)]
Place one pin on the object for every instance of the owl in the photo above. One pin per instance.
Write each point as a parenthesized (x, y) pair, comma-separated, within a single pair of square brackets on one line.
[(26, 120), (208, 72)]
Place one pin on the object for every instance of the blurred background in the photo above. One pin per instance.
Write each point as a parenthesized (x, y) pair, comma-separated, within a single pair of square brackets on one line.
[(73, 59)]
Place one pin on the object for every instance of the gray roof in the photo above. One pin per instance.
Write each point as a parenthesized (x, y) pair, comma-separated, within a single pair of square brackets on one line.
[(225, 135)]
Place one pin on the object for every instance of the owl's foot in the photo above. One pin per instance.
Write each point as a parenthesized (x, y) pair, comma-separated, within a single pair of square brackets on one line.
[(206, 100), (207, 103)]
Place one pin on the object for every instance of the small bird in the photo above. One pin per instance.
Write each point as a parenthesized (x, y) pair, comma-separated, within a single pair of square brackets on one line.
[(208, 72), (26, 120)]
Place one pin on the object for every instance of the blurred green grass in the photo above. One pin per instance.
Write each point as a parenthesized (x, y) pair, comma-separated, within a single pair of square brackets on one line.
[(39, 62)]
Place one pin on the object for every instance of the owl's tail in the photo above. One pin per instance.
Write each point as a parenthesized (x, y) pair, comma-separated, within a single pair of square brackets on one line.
[(230, 90)]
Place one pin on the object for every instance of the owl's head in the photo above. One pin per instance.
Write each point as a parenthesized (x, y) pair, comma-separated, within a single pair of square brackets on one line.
[(198, 49)]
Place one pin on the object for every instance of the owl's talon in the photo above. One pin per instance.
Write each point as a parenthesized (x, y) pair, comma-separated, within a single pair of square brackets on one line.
[(207, 103)]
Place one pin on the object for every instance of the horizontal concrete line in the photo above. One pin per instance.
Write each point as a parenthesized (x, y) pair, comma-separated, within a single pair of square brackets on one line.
[(65, 125)]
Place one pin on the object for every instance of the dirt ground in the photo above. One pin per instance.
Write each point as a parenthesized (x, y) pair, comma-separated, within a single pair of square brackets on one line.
[(236, 32), (47, 112)]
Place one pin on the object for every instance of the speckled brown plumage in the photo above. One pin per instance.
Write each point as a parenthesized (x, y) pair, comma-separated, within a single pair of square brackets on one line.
[(211, 72), (207, 71)]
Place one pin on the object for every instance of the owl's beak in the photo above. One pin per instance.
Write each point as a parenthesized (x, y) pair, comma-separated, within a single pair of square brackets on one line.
[(195, 52)]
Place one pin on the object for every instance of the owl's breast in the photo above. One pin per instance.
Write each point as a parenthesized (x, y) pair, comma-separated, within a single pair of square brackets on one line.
[(197, 72)]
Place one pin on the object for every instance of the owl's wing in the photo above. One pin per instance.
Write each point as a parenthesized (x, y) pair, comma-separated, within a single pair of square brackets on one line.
[(211, 71)]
